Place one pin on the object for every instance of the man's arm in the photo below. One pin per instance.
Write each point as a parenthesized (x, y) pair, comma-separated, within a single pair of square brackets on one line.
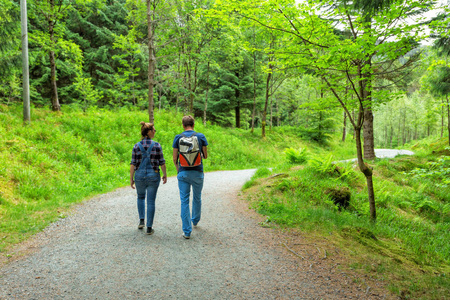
[(175, 157), (205, 152)]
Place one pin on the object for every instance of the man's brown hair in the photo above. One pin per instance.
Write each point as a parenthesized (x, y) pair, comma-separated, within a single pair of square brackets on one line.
[(188, 121)]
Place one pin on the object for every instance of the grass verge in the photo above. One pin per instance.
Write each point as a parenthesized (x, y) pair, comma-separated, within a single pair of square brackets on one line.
[(407, 247)]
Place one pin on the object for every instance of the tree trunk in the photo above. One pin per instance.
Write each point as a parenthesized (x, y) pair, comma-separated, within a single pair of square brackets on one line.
[(206, 95), (442, 120), (151, 61), (367, 173), (448, 119), (254, 89), (176, 77), (344, 128), (366, 94), (404, 127), (391, 136), (159, 91), (54, 86), (399, 130), (271, 113), (134, 90), (186, 88), (237, 110), (266, 103), (369, 145), (278, 111), (193, 89)]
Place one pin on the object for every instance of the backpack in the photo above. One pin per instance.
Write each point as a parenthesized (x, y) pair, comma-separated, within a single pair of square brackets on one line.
[(189, 153)]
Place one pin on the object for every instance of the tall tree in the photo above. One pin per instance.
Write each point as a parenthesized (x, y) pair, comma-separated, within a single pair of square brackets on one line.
[(53, 11), (357, 59), (152, 6)]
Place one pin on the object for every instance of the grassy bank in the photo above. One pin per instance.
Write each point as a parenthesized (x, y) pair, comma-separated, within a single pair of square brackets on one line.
[(63, 158), (408, 246)]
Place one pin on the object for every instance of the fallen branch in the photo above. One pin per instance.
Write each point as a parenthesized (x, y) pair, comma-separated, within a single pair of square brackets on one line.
[(295, 253)]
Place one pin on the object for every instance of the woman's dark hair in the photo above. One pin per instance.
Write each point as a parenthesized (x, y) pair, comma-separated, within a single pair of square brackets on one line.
[(188, 121), (146, 127)]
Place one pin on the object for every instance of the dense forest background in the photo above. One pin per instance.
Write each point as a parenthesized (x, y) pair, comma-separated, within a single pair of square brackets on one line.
[(223, 65)]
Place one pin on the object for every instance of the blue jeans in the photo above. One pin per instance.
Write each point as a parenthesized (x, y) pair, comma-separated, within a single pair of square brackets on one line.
[(186, 179), (149, 185)]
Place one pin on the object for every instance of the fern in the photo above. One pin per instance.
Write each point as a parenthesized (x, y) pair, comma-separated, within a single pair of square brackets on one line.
[(296, 156), (323, 165)]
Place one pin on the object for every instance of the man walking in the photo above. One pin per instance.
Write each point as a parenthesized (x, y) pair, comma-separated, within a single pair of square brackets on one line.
[(189, 150)]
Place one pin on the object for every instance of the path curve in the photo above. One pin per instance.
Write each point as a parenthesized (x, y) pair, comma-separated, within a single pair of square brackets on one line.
[(391, 153), (98, 253), (385, 153)]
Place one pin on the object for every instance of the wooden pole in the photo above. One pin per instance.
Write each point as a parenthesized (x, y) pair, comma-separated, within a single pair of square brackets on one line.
[(25, 67)]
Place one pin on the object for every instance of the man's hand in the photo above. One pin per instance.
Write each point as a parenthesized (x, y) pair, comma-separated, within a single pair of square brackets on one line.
[(132, 184)]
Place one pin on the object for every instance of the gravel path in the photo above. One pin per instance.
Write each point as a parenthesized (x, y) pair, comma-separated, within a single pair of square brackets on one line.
[(385, 153), (391, 153), (98, 253)]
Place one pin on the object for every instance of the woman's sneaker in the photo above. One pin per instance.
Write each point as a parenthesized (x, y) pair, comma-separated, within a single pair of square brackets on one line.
[(141, 224), (149, 231)]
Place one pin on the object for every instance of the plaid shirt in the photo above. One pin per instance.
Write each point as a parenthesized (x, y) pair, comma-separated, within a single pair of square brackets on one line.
[(156, 156)]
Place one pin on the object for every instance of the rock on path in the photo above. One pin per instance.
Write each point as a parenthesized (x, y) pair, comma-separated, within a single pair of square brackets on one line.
[(98, 253)]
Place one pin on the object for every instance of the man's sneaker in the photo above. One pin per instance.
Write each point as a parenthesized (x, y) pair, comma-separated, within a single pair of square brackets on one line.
[(141, 224), (186, 236), (149, 231), (195, 225)]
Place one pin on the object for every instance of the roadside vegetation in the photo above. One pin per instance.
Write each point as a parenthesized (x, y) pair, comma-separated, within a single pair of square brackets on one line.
[(60, 159), (407, 247)]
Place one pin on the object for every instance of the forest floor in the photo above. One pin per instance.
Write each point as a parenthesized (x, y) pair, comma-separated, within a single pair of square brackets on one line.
[(97, 252)]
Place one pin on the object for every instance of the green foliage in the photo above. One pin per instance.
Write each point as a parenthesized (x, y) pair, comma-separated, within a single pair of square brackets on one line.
[(94, 26), (9, 50), (437, 172), (413, 208), (323, 165), (260, 173), (296, 156)]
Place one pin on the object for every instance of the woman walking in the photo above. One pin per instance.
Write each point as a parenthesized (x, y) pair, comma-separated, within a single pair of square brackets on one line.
[(146, 159)]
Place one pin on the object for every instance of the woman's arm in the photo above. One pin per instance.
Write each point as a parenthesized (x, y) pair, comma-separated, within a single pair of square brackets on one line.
[(163, 168), (132, 168)]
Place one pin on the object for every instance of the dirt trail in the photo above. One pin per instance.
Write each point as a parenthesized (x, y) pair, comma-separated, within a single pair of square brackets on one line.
[(98, 253)]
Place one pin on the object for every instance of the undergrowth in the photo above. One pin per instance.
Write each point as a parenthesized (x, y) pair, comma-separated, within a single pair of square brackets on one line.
[(408, 242)]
